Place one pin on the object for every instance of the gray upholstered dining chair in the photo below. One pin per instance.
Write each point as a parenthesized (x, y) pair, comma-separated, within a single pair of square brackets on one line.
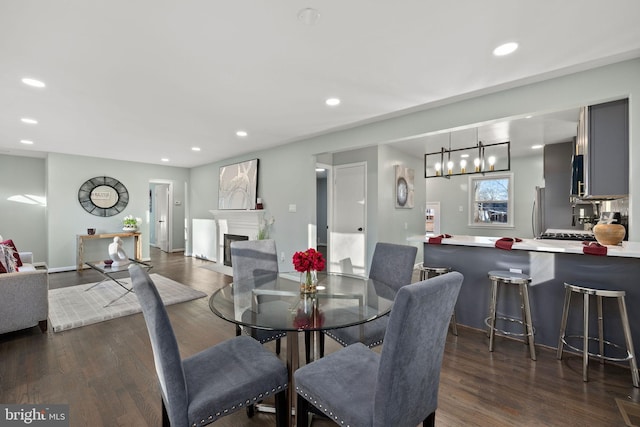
[(254, 261), (392, 265), (214, 382), (358, 387)]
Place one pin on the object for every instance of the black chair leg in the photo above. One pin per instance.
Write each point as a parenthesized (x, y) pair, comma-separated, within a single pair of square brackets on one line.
[(251, 411), (430, 421), (165, 415), (302, 412), (307, 346), (238, 331), (278, 346), (282, 412)]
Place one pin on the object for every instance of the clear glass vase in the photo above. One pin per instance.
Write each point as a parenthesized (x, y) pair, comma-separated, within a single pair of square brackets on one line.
[(308, 282)]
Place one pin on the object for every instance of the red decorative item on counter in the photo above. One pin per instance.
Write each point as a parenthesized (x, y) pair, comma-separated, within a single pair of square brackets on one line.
[(593, 248), (507, 242), (438, 239)]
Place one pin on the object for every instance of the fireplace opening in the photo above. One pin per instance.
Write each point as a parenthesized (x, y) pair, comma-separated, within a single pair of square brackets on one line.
[(228, 238)]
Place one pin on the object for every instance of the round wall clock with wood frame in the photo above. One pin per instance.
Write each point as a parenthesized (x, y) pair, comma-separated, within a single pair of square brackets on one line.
[(103, 196)]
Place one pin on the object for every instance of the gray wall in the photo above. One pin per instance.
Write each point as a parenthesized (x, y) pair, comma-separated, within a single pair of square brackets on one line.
[(24, 223), (396, 225), (286, 176), (66, 218)]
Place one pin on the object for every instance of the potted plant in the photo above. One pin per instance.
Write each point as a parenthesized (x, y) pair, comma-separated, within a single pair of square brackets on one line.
[(129, 223)]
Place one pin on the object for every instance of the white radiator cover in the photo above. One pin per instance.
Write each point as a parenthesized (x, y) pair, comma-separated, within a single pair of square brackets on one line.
[(204, 239)]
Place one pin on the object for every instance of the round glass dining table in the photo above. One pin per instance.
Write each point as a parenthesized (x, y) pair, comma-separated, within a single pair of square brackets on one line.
[(274, 302)]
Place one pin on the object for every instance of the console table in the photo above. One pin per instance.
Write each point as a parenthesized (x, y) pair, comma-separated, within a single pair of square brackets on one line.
[(137, 244)]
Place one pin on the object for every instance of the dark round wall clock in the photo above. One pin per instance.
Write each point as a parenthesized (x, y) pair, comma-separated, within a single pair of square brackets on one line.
[(103, 196)]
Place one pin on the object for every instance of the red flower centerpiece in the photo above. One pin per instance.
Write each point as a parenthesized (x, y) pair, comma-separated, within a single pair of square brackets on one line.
[(308, 263)]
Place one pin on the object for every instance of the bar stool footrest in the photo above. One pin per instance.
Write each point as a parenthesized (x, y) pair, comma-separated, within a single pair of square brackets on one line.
[(596, 355), (487, 321)]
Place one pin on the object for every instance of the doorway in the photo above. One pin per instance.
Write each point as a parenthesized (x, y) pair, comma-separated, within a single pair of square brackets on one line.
[(347, 230), (323, 202), (160, 226)]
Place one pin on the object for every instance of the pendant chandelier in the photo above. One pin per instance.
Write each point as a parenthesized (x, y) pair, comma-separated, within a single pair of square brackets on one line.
[(481, 158)]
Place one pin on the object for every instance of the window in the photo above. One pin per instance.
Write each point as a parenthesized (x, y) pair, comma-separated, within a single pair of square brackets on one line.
[(491, 200)]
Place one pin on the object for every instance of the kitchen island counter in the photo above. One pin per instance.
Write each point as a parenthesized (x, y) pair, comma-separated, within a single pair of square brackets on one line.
[(626, 249), (550, 263)]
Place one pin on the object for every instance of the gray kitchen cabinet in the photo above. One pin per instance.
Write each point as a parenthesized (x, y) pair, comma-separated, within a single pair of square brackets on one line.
[(607, 161)]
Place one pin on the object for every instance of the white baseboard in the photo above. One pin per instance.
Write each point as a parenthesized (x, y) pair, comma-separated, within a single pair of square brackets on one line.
[(62, 269)]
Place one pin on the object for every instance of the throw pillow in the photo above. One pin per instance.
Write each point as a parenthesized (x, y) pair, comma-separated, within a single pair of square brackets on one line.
[(16, 255), (7, 261)]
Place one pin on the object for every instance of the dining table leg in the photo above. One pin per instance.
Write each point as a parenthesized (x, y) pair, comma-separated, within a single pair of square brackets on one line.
[(292, 364)]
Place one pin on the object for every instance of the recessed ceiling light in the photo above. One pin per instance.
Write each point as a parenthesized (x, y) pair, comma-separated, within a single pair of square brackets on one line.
[(33, 82), (26, 141), (505, 49), (320, 169), (536, 147), (241, 133), (464, 156), (164, 159), (29, 121), (195, 148), (332, 102), (308, 16), (528, 117)]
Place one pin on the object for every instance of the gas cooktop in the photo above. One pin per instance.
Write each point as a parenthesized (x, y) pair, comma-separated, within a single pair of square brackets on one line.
[(589, 237)]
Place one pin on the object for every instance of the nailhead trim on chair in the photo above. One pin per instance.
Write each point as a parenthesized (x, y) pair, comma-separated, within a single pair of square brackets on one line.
[(344, 344), (275, 337), (375, 344), (315, 403), (210, 418), (341, 342), (247, 332)]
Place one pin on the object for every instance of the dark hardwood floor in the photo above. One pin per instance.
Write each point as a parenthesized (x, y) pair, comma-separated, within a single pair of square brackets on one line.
[(105, 372)]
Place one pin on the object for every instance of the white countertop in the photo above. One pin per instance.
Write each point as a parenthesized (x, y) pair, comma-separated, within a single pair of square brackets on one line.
[(627, 249)]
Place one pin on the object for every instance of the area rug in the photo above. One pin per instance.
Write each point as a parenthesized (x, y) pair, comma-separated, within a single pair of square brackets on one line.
[(75, 306)]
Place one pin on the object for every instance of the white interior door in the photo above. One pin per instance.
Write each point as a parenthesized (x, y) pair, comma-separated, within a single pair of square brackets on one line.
[(162, 216), (347, 252)]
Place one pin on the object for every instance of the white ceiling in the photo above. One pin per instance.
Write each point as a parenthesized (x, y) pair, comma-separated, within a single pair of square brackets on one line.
[(146, 79)]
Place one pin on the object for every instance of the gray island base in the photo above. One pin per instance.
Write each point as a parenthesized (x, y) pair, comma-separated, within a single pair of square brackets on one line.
[(549, 271)]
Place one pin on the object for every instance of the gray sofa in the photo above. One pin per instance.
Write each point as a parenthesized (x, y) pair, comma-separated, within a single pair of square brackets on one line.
[(24, 297)]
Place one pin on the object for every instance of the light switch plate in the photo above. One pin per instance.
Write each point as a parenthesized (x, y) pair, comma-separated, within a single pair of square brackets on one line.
[(292, 208)]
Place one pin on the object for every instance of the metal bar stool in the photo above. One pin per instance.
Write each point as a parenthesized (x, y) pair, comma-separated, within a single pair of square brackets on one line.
[(428, 273), (599, 294), (509, 278)]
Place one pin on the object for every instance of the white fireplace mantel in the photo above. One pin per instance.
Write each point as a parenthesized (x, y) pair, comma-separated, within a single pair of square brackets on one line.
[(231, 221)]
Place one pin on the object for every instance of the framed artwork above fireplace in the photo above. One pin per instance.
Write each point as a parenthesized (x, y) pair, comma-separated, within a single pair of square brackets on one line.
[(238, 185)]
